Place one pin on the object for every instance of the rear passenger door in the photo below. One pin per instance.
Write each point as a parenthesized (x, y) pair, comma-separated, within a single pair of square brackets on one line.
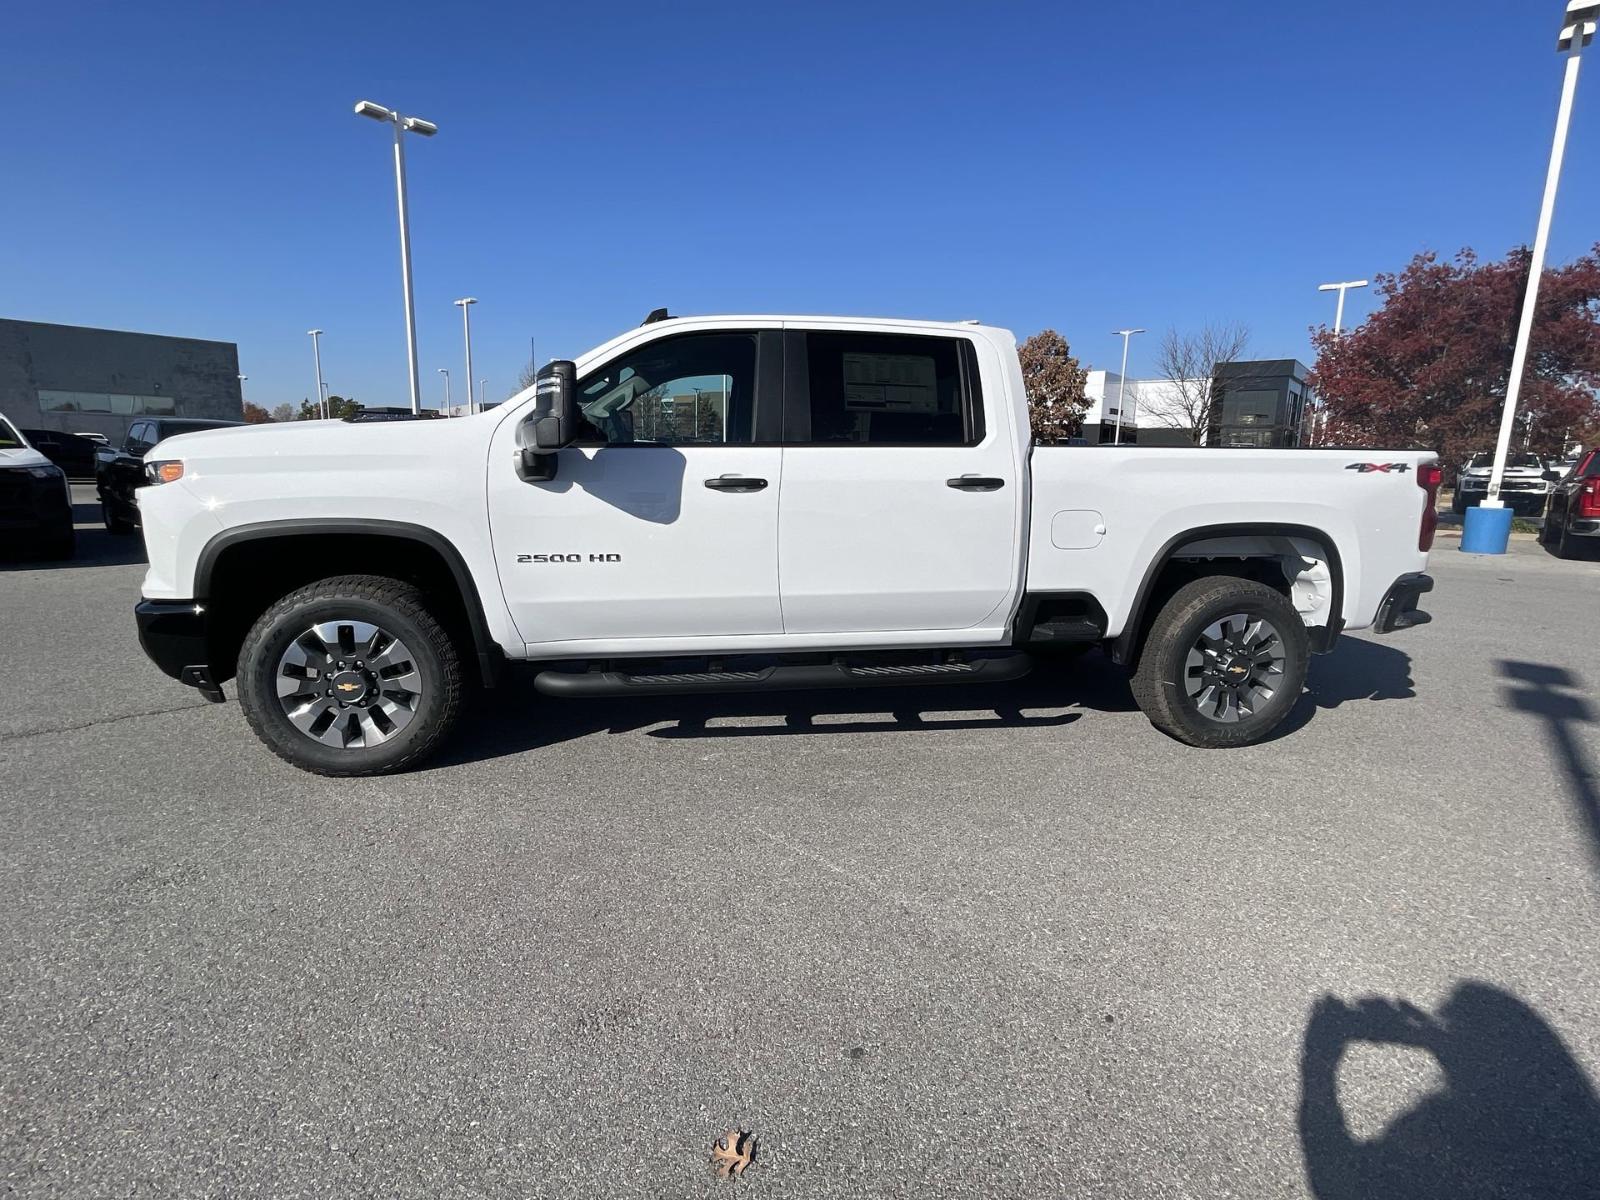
[(900, 503)]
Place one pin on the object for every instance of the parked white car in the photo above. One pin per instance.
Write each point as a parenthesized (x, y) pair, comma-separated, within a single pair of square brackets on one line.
[(743, 503)]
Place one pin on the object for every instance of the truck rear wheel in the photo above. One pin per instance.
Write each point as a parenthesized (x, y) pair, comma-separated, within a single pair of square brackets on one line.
[(1224, 662), (350, 676)]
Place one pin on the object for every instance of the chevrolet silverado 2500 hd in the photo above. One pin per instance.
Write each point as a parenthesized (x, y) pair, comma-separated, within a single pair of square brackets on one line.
[(742, 503)]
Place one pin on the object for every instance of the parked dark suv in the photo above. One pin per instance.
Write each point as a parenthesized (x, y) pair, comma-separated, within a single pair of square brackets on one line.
[(119, 472), (1572, 522), (73, 454), (35, 499)]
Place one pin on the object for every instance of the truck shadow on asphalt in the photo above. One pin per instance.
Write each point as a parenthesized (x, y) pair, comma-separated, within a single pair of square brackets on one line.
[(1515, 1114), (1055, 694), (1555, 695), (96, 547)]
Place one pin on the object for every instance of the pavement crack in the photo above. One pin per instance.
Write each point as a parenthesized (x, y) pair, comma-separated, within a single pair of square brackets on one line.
[(157, 712)]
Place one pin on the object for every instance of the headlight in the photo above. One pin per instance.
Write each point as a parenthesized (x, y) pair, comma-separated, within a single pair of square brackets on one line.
[(165, 471), (44, 472)]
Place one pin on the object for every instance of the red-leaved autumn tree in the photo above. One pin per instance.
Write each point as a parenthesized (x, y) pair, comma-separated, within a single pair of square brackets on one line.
[(1054, 383), (1430, 367)]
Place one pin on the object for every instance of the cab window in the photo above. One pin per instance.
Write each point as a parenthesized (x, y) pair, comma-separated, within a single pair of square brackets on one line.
[(698, 388), (878, 389)]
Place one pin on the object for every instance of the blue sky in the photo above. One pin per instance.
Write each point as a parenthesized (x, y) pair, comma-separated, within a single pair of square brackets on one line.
[(197, 170)]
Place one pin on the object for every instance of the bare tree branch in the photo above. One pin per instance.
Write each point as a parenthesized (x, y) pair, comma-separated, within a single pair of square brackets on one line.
[(1186, 364)]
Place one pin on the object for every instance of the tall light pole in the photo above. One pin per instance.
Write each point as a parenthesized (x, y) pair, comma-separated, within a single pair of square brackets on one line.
[(446, 375), (1341, 288), (403, 125), (1577, 30), (1338, 329), (465, 305), (316, 353), (483, 385), (1122, 380)]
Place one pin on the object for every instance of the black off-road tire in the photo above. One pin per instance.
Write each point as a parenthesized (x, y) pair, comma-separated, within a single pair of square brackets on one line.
[(120, 526), (1568, 546), (1159, 680), (393, 606)]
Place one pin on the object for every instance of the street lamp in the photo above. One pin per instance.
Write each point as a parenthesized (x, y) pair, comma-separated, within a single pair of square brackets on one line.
[(1486, 528), (403, 125), (465, 305), (1122, 380), (1341, 288), (316, 352), (483, 386), (446, 375)]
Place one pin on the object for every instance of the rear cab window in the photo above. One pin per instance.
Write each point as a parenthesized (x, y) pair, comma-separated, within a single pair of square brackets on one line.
[(880, 389)]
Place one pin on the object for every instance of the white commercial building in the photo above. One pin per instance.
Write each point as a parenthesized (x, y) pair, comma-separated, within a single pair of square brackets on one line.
[(1147, 403)]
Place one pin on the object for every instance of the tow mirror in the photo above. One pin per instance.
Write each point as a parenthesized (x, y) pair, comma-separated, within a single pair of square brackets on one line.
[(552, 424)]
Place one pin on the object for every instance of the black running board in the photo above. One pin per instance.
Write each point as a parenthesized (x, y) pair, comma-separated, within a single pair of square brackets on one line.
[(781, 678)]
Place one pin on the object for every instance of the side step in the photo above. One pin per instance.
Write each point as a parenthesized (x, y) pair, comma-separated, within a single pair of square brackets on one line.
[(791, 678)]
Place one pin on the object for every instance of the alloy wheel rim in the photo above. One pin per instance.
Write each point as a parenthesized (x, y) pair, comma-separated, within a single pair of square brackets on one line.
[(348, 684), (1234, 667)]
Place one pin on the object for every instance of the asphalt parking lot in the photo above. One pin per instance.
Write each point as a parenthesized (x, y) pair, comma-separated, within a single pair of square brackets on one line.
[(922, 944)]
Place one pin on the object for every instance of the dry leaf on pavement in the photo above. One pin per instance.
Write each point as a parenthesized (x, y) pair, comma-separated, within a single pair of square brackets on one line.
[(732, 1153)]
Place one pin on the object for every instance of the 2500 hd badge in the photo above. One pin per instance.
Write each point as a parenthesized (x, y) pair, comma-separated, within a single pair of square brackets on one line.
[(568, 558)]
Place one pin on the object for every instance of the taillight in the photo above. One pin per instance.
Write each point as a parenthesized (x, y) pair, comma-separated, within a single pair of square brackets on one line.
[(1589, 499), (1429, 477)]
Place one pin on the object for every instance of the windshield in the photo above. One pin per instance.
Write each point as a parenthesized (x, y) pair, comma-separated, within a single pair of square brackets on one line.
[(1513, 462), (10, 439)]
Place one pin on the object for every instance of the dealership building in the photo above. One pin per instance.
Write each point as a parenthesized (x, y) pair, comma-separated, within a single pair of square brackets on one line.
[(78, 380)]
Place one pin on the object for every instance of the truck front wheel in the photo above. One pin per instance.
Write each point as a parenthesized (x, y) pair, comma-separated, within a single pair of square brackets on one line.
[(1224, 662), (351, 675)]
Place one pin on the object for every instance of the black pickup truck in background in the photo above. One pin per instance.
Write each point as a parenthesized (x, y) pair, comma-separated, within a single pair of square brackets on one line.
[(119, 470), (1572, 522)]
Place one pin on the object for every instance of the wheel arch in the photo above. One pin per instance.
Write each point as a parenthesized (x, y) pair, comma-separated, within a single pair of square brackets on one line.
[(374, 542), (1125, 645)]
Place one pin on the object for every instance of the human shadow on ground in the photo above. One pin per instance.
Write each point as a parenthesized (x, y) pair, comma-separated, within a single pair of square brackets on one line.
[(514, 718), (1516, 1115), (1555, 695)]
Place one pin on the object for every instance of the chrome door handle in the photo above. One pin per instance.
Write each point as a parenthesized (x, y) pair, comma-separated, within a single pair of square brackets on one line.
[(975, 483), (736, 483)]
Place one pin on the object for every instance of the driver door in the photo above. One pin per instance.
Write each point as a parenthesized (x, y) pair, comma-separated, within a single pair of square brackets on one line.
[(661, 524)]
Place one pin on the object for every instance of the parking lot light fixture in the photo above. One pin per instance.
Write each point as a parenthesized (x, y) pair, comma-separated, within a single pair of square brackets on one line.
[(1122, 380), (1341, 288), (465, 305), (446, 373), (316, 353), (402, 125), (1577, 31)]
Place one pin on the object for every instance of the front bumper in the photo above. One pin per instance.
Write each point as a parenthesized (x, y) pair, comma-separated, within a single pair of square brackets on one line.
[(1523, 502), (176, 636), (1399, 608), (31, 506)]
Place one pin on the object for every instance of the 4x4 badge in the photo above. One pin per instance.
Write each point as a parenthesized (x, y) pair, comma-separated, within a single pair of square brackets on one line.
[(1368, 468)]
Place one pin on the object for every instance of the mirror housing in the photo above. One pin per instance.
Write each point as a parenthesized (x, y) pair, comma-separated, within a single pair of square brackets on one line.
[(553, 423)]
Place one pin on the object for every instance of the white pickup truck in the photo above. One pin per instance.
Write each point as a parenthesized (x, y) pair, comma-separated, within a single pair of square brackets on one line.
[(744, 503)]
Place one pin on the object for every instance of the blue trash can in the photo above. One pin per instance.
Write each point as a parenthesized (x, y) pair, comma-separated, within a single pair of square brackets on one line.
[(1486, 530)]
